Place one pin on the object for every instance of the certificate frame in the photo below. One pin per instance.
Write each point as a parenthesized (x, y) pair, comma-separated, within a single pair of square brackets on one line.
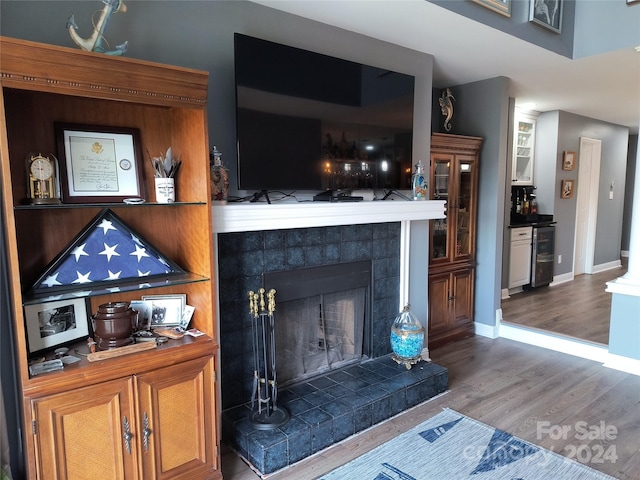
[(99, 164)]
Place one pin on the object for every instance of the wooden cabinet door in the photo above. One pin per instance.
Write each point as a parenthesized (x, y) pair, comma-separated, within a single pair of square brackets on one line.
[(176, 404), (439, 311), (82, 434), (450, 306), (462, 302)]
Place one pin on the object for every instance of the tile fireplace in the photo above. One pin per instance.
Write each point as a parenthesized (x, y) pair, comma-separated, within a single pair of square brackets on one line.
[(339, 398)]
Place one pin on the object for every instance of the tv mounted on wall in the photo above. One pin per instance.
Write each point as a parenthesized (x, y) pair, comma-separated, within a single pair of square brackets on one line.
[(308, 121)]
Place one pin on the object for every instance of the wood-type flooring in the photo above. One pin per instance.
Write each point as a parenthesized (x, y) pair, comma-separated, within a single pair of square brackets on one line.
[(580, 308)]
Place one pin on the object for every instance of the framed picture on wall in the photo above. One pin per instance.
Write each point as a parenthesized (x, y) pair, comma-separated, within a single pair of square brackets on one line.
[(569, 161), (501, 6), (547, 13), (566, 189)]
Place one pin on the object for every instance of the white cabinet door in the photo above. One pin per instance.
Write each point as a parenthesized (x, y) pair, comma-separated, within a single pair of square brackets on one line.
[(520, 257)]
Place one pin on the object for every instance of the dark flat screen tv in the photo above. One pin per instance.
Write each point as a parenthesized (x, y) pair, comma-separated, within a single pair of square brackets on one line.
[(308, 121)]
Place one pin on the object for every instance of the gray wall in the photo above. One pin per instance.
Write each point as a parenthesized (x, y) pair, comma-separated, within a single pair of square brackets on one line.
[(561, 131), (482, 110)]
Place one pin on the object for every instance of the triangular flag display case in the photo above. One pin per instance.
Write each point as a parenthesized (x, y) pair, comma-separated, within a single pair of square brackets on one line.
[(107, 254), (151, 413)]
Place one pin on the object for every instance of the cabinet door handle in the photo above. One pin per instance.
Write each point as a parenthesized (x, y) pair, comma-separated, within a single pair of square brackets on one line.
[(452, 297), (127, 435), (146, 433)]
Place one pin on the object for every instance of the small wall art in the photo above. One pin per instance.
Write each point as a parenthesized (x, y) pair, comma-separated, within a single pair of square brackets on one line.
[(569, 161), (501, 6), (547, 13), (566, 189)]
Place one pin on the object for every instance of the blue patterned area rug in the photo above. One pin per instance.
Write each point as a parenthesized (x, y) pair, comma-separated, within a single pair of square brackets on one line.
[(451, 446)]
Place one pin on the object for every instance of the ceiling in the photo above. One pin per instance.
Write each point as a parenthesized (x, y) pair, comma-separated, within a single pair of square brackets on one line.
[(605, 87)]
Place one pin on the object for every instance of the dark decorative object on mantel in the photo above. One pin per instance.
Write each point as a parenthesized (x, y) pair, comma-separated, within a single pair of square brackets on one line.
[(446, 104)]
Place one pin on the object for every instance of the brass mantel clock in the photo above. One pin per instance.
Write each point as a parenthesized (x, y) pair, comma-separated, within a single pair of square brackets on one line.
[(44, 179)]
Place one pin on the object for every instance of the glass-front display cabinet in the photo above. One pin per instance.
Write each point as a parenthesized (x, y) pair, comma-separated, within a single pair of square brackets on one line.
[(523, 149)]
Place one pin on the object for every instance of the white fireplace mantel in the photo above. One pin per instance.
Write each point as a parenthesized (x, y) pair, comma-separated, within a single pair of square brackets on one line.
[(247, 217)]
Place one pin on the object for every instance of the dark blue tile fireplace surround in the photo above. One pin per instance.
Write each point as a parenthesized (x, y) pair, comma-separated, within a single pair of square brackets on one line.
[(333, 406)]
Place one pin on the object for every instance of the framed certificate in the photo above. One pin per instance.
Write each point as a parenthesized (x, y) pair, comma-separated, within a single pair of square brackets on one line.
[(99, 164)]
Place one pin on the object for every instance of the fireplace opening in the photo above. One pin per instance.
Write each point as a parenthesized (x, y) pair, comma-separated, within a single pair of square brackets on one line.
[(321, 319)]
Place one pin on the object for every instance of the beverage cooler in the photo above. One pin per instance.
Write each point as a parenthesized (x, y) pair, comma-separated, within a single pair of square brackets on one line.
[(542, 255)]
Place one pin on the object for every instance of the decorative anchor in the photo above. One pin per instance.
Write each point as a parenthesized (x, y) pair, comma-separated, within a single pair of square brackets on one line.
[(96, 42), (267, 416), (446, 105)]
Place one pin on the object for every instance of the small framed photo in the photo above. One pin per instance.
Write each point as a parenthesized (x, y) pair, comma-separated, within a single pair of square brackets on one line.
[(501, 6), (143, 308), (547, 13), (53, 324), (166, 310), (569, 161), (567, 188), (99, 164)]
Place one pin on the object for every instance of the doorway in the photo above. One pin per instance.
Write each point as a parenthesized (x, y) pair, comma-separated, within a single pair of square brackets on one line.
[(586, 205)]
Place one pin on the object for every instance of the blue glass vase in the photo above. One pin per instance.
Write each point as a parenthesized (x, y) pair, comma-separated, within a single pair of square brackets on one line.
[(407, 338)]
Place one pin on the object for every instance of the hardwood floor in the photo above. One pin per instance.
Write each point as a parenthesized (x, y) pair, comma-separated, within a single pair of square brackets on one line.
[(580, 308), (511, 386)]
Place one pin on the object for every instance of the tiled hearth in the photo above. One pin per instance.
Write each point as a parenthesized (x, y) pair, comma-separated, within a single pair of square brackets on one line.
[(331, 408)]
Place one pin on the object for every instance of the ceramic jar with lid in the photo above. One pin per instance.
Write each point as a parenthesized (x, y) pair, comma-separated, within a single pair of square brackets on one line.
[(113, 325)]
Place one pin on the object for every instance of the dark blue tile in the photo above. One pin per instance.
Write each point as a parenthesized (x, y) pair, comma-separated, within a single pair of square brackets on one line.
[(355, 384), (314, 236), (322, 383), (313, 255), (362, 418), (339, 391), (274, 260), (299, 445), (319, 398), (295, 237), (315, 417), (294, 426), (285, 396), (274, 239), (295, 257), (373, 392), (268, 450), (332, 234), (332, 253), (398, 402), (302, 389), (339, 376), (322, 436), (343, 427), (296, 407), (355, 400), (381, 410), (337, 408)]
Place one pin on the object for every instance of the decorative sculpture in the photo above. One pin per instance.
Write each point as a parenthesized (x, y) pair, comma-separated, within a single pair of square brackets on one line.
[(446, 106), (96, 42)]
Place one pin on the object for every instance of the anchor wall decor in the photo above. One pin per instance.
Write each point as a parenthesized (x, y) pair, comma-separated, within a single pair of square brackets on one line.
[(96, 42)]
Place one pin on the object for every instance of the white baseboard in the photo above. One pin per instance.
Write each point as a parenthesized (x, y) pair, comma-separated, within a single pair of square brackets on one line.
[(579, 348), (603, 267), (564, 278), (505, 293), (489, 331)]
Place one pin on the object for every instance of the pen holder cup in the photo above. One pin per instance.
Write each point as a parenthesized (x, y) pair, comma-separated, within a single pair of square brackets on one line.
[(165, 190)]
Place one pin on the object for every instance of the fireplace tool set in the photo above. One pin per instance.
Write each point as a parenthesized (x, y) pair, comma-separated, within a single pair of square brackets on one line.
[(266, 415)]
